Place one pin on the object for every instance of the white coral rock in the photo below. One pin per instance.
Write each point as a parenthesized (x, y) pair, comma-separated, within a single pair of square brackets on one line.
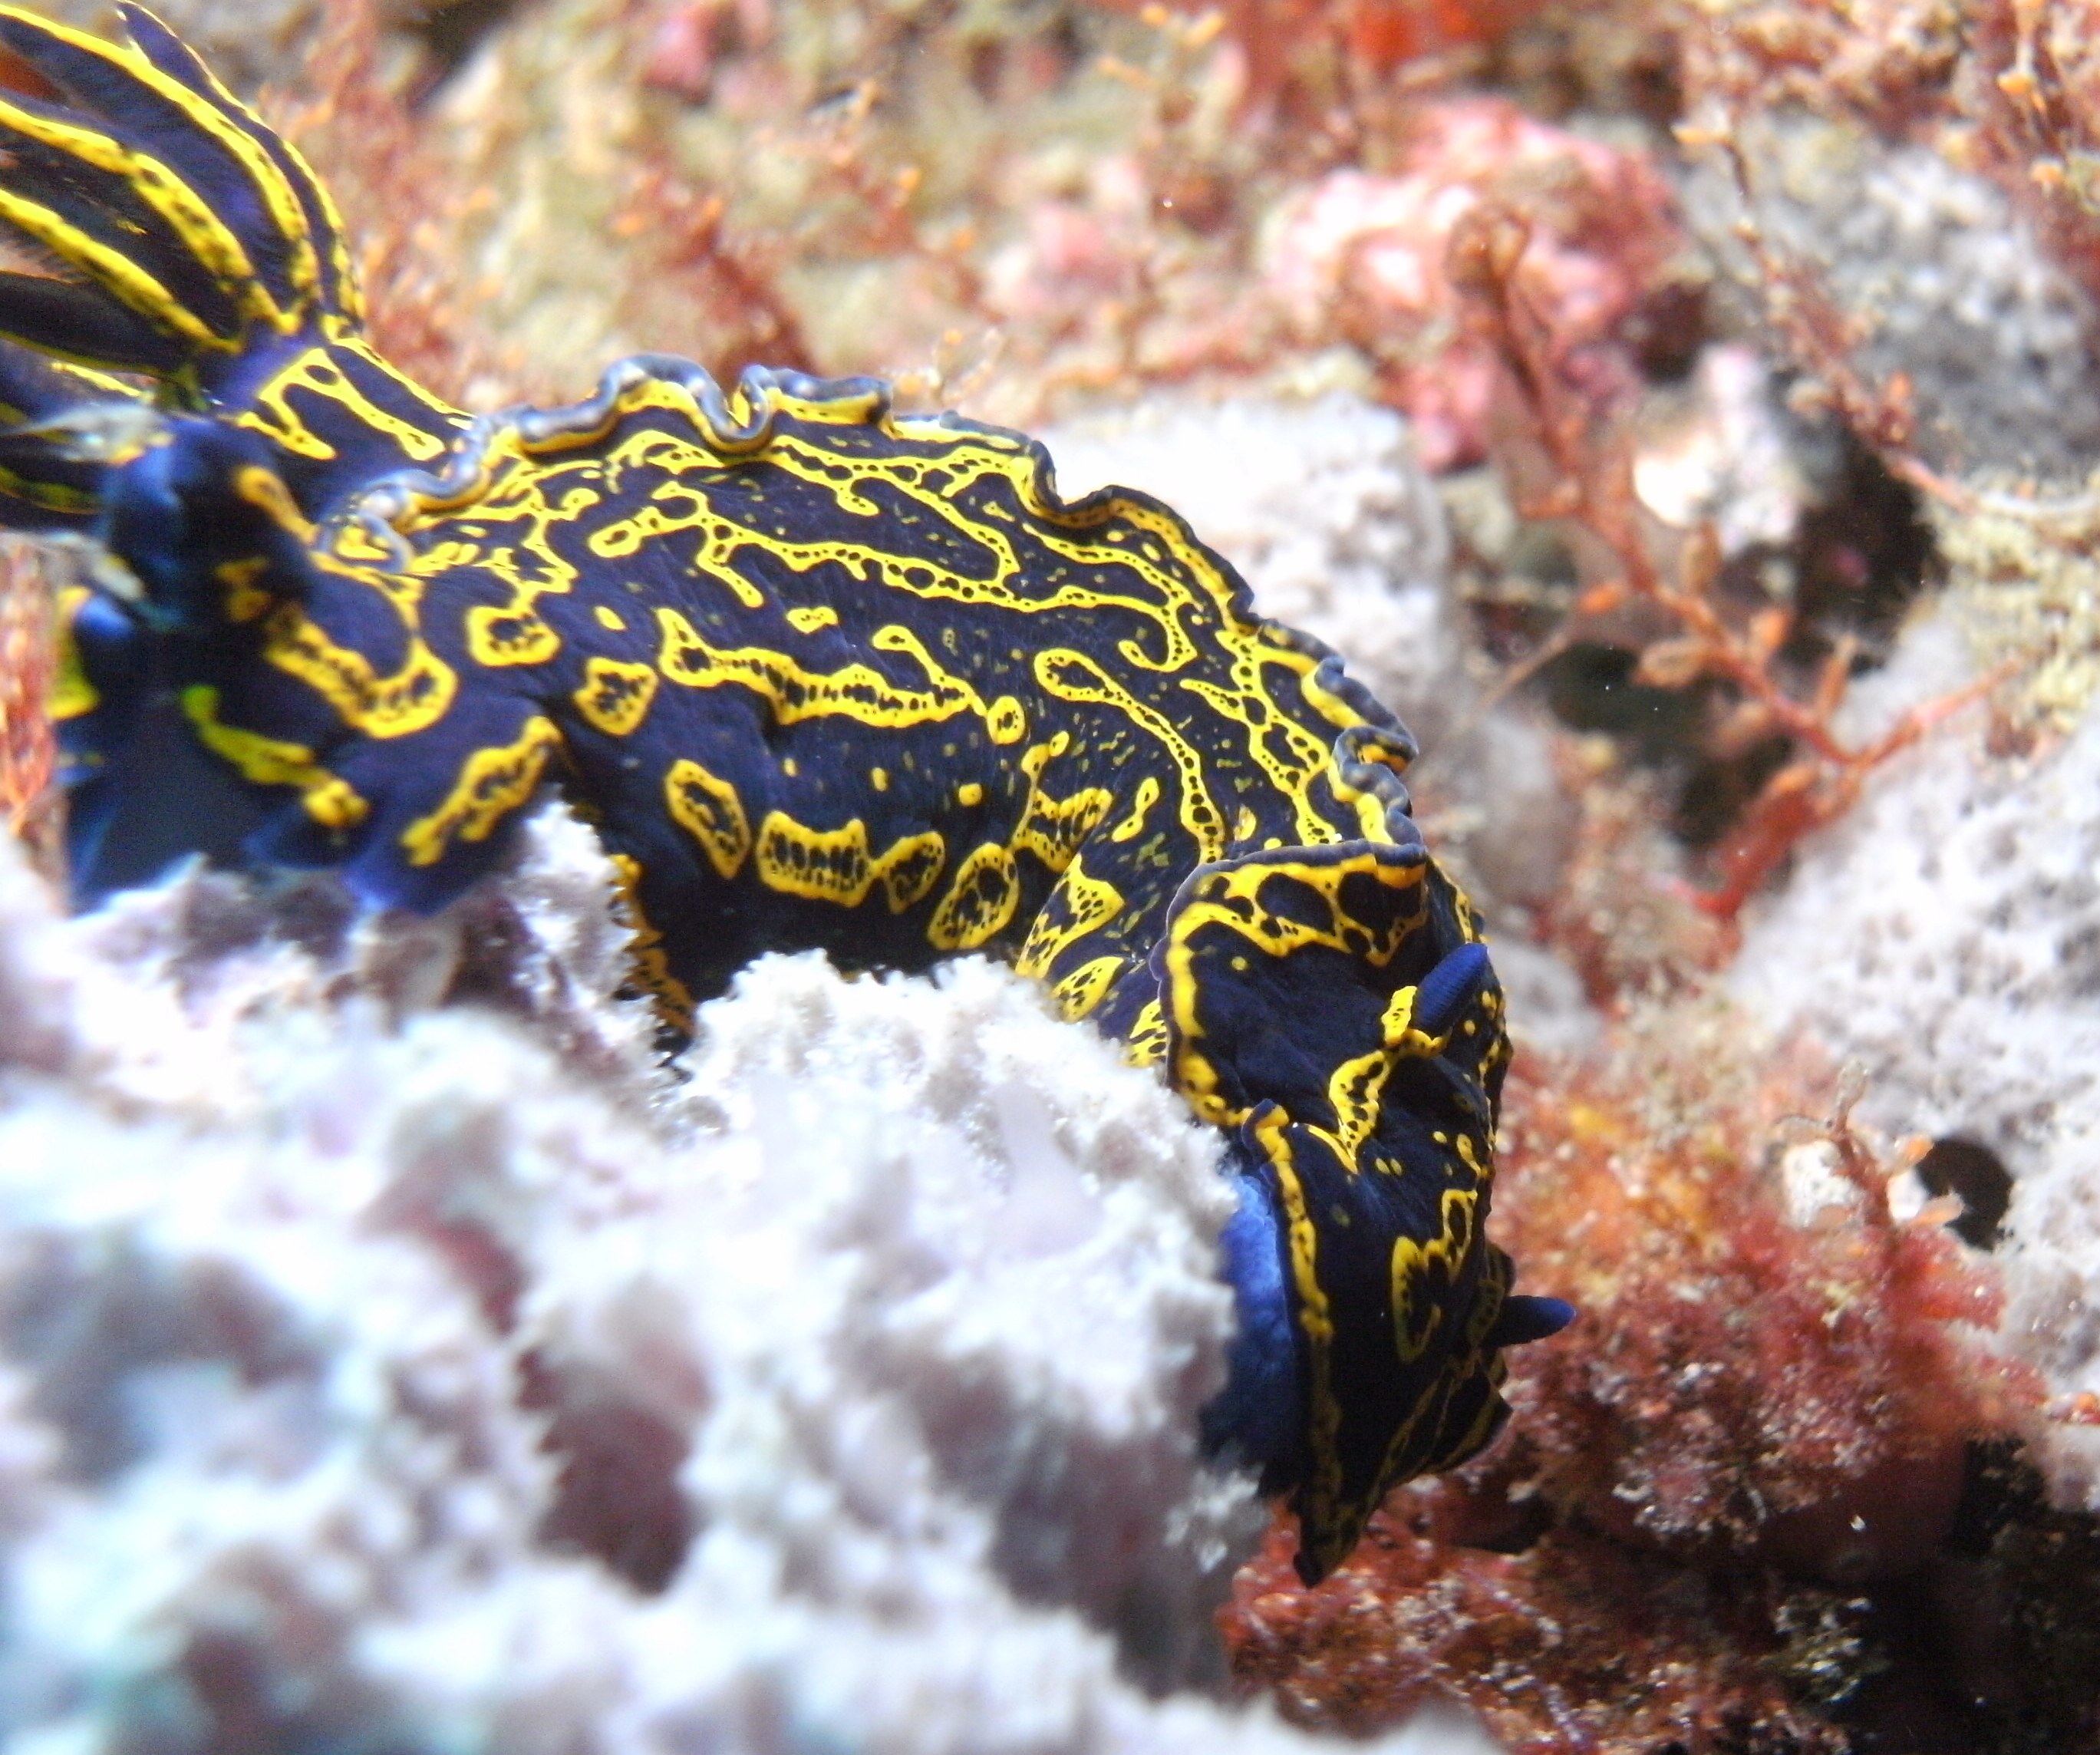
[(1945, 934)]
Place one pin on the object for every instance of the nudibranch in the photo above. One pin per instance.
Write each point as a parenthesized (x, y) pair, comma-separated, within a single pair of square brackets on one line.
[(820, 674)]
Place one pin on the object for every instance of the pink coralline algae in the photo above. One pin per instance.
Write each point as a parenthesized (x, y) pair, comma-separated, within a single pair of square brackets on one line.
[(1364, 253)]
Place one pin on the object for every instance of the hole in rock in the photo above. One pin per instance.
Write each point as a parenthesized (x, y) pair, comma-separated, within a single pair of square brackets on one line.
[(1979, 1175), (450, 31), (1860, 560)]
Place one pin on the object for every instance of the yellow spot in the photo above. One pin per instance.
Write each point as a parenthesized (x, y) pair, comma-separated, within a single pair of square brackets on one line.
[(811, 616), (836, 865), (615, 695), (1006, 722), (969, 794), (245, 600), (1146, 1044), (609, 619), (878, 779), (979, 902), (707, 808), (1086, 987), (789, 766), (72, 695), (335, 804), (505, 635), (491, 784)]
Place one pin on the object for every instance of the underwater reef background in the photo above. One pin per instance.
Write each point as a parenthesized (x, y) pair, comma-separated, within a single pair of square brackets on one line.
[(1683, 412)]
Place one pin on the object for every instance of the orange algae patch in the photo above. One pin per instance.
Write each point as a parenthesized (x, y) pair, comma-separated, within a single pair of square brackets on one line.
[(1375, 36), (1577, 1643), (29, 753), (1760, 1420), (1764, 1347)]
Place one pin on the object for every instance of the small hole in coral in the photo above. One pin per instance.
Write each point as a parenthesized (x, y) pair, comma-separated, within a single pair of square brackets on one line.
[(1859, 560), (1976, 1174), (1666, 331), (1591, 687)]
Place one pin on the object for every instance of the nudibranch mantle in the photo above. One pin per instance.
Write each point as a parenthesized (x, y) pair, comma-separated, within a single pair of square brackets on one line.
[(820, 674)]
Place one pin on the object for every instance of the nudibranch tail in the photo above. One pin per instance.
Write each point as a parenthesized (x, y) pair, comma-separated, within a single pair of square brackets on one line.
[(189, 383), (821, 674), (180, 216)]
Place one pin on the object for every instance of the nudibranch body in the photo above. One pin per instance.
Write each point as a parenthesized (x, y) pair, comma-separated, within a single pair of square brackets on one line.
[(820, 674)]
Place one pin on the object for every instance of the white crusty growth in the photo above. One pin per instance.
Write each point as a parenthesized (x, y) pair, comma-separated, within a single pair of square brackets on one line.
[(378, 1375)]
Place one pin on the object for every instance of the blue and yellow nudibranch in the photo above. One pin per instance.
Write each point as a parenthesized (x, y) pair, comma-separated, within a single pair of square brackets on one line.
[(821, 674)]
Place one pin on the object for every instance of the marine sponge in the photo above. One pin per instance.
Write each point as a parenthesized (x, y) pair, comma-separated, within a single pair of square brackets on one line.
[(1945, 934), (383, 1376)]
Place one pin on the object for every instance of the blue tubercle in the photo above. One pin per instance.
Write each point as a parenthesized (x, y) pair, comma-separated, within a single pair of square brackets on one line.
[(1446, 988), (1526, 1319)]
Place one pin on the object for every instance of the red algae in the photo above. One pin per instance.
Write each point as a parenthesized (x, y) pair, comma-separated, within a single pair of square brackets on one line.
[(351, 115), (1760, 1418), (29, 800), (1577, 1643), (1771, 1366), (1297, 53), (2032, 83)]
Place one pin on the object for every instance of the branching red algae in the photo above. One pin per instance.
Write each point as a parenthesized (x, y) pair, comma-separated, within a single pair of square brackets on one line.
[(1577, 1643)]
